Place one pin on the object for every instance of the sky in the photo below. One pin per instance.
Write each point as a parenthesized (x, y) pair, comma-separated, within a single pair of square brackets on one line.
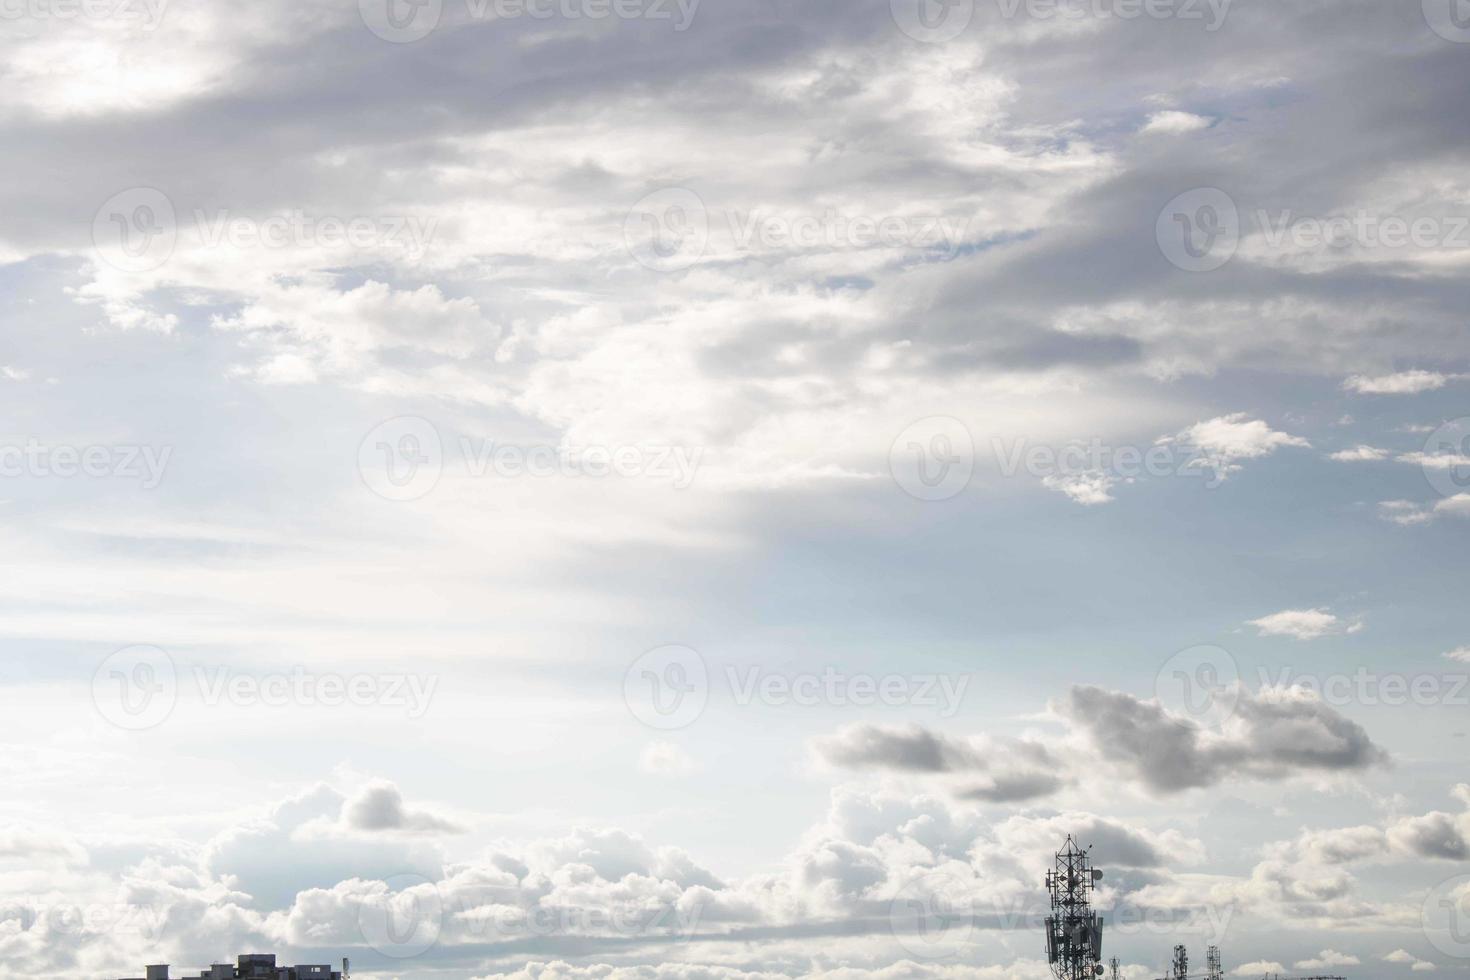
[(721, 489)]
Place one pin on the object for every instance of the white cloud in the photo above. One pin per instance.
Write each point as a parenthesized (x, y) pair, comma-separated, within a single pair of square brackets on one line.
[(1305, 624), (1258, 968), (1414, 962), (1404, 512), (1173, 121), (379, 806), (1360, 454), (40, 846), (1327, 959), (1226, 441), (1403, 383), (1459, 655), (1436, 461), (1408, 513), (1087, 489)]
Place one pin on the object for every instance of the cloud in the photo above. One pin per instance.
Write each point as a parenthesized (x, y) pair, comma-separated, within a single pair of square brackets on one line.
[(1459, 655), (996, 770), (378, 806), (1328, 959), (1404, 512), (1345, 845), (1087, 489), (304, 842), (1436, 461), (1225, 442), (1435, 835), (1408, 513), (1403, 383), (1305, 624), (1360, 454), (33, 845), (1012, 787), (1173, 122), (1414, 962), (1258, 968), (1273, 734)]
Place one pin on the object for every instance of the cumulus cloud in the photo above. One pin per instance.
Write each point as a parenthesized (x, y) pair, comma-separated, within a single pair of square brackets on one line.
[(1434, 835), (305, 842), (1273, 734), (1087, 489), (379, 806), (1328, 959), (1224, 443), (1305, 624), (1403, 956)]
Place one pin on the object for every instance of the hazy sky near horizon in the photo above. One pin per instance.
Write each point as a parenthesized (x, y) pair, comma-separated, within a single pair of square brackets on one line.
[(719, 489)]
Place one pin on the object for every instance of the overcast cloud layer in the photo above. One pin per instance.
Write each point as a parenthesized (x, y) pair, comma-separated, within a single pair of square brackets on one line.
[(662, 489)]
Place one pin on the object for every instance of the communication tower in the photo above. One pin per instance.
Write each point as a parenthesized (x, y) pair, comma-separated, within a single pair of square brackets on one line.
[(1073, 930)]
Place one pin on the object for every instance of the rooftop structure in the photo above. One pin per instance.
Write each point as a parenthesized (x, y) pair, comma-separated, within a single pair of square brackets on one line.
[(253, 966)]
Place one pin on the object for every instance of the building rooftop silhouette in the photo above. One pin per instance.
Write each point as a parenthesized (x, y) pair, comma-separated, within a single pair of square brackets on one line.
[(253, 966)]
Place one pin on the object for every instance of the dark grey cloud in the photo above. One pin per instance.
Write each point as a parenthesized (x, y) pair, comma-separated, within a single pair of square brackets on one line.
[(1015, 787), (1269, 738), (995, 770)]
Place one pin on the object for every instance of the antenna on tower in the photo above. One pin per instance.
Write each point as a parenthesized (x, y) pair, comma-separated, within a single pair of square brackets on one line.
[(1181, 963), (1113, 968), (1213, 970), (1073, 930)]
